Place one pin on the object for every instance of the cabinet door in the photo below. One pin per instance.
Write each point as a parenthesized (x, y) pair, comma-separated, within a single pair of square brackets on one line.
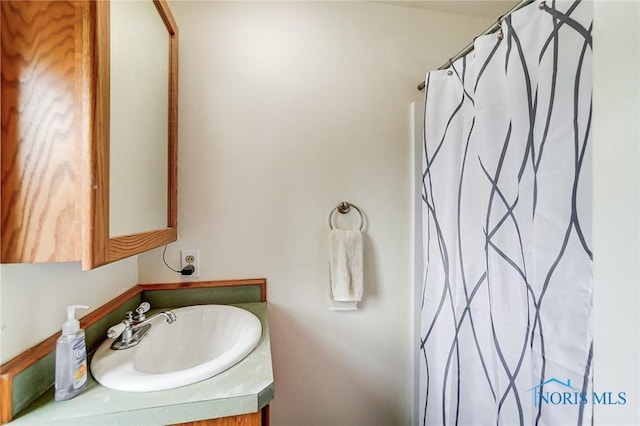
[(253, 419), (55, 156), (42, 87)]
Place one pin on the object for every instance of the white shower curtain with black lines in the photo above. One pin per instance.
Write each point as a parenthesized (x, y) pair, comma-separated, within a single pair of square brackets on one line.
[(506, 333)]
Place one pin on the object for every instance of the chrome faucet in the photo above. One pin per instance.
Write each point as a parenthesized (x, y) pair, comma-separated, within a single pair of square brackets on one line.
[(135, 327)]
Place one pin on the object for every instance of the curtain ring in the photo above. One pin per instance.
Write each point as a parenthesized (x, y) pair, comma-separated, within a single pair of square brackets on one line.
[(500, 33), (449, 65)]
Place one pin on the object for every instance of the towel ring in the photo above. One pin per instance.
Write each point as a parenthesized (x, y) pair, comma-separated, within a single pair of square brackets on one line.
[(344, 208)]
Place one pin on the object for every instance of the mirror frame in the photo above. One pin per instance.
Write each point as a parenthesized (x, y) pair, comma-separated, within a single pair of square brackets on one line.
[(99, 247)]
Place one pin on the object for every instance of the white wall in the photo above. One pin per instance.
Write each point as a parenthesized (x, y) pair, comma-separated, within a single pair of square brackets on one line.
[(616, 135), (286, 109), (33, 298)]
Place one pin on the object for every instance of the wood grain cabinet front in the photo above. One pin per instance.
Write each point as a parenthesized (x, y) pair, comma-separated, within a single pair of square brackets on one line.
[(260, 418), (55, 118)]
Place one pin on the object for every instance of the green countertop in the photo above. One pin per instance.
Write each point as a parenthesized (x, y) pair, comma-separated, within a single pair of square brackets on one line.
[(244, 388)]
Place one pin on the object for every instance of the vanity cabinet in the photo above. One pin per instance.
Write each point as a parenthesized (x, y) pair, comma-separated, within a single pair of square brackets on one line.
[(259, 418), (56, 164)]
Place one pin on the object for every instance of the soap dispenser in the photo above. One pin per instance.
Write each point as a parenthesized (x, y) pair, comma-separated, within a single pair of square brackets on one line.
[(71, 357)]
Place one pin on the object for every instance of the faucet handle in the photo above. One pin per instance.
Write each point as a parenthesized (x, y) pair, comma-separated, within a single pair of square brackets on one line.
[(144, 307), (139, 316), (116, 330)]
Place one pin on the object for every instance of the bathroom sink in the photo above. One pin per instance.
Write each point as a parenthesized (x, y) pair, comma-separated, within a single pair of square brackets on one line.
[(204, 341)]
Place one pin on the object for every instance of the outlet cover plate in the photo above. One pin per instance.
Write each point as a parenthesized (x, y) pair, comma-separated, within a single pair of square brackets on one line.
[(196, 263)]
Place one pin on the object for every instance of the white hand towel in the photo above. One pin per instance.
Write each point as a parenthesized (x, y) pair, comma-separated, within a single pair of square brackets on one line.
[(345, 262)]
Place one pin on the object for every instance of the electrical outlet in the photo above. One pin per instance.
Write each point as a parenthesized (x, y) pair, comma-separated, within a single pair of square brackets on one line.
[(190, 257)]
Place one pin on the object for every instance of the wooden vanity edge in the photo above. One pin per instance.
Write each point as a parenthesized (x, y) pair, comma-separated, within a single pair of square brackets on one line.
[(15, 366)]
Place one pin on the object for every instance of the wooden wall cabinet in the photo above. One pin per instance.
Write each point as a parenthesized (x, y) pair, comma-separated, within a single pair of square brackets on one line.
[(55, 135)]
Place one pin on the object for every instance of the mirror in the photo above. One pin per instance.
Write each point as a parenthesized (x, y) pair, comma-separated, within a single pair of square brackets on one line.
[(138, 116), (133, 157)]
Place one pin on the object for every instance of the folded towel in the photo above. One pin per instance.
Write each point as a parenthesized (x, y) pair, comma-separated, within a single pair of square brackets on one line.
[(345, 263)]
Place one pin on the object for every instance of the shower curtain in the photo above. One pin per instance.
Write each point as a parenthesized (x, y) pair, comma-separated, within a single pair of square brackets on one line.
[(506, 333)]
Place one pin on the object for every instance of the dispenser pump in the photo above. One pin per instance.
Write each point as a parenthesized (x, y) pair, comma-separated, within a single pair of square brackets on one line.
[(72, 325)]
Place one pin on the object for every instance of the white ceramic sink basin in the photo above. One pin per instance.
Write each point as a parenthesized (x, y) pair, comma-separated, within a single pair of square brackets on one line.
[(204, 341)]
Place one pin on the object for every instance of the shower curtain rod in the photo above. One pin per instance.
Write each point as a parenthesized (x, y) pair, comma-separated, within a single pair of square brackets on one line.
[(469, 47)]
